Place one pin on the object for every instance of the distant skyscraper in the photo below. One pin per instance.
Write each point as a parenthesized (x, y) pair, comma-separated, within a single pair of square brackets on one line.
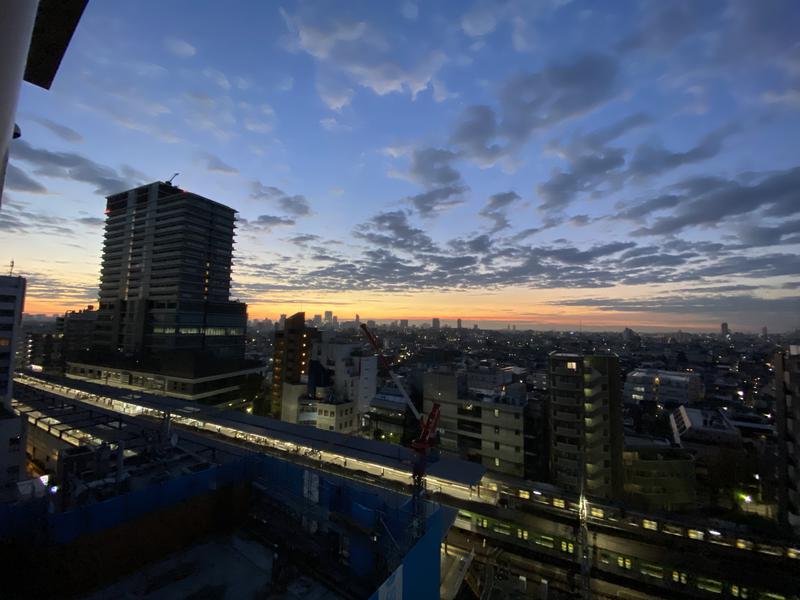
[(282, 321), (724, 329), (328, 316), (764, 332), (166, 275), (586, 434), (787, 409), (12, 426), (290, 359), (435, 323), (458, 324), (403, 324), (358, 321), (317, 321)]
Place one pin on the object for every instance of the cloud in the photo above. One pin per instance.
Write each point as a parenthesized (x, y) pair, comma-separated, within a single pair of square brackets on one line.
[(217, 77), (438, 199), (265, 223), (433, 166), (496, 209), (65, 133), (732, 307), (652, 159), (707, 201), (409, 11), (72, 166), (91, 221), (296, 205), (334, 125), (216, 165), (480, 20), (392, 230), (19, 181), (179, 47), (355, 51), (333, 93), (533, 101)]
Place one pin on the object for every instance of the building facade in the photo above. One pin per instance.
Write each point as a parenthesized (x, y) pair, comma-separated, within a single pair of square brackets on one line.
[(290, 358), (787, 400), (480, 425), (166, 275), (12, 425), (668, 388), (586, 434)]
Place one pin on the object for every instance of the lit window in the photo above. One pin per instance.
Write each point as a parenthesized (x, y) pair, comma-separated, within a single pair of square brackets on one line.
[(496, 462), (652, 525), (525, 494), (572, 366), (496, 412), (558, 503)]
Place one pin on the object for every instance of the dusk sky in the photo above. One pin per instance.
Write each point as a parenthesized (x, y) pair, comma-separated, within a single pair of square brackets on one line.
[(544, 163)]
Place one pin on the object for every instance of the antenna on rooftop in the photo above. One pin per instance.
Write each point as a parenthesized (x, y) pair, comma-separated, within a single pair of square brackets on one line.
[(169, 181), (11, 269)]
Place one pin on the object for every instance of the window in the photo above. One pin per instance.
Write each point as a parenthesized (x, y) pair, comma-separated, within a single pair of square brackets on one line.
[(496, 412), (497, 445), (572, 366), (496, 462), (709, 585), (679, 577), (651, 525), (496, 430)]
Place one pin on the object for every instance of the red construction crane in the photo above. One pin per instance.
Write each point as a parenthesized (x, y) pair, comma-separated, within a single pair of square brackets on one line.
[(422, 444)]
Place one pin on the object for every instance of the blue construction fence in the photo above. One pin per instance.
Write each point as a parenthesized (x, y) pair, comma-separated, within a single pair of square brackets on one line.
[(371, 508)]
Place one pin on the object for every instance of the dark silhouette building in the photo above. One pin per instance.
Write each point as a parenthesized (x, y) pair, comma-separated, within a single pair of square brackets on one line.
[(165, 321), (586, 433), (290, 360)]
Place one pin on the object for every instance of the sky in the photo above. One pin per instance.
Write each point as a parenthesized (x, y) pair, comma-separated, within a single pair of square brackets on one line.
[(551, 164)]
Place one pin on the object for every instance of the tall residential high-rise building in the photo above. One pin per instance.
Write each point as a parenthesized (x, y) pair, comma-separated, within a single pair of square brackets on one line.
[(290, 359), (12, 425), (723, 329), (317, 321), (165, 322), (328, 316), (787, 401), (586, 433), (403, 324), (166, 275), (458, 324), (435, 324), (764, 332)]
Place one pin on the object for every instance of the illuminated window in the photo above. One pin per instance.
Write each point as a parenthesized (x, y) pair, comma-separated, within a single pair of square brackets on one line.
[(558, 503), (496, 412), (696, 535), (572, 366), (496, 462), (651, 525), (596, 512), (525, 494)]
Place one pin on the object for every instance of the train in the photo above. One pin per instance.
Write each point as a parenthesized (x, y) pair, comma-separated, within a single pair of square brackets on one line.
[(609, 555)]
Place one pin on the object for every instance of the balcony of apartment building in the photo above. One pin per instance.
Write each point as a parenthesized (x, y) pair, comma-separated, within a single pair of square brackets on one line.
[(568, 416), (567, 445), (572, 383), (595, 409), (575, 401)]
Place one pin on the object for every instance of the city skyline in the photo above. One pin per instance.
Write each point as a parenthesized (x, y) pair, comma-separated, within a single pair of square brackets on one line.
[(487, 173)]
